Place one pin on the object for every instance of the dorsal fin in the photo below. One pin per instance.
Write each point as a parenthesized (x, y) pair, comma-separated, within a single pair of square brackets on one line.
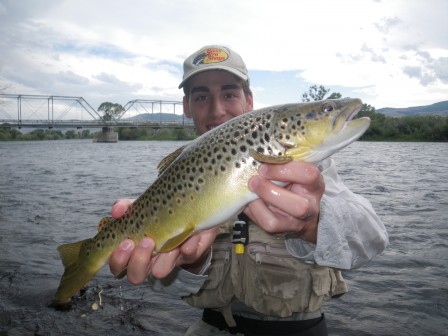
[(103, 222), (167, 160)]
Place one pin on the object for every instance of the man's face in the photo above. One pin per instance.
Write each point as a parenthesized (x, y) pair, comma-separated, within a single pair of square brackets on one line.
[(214, 97)]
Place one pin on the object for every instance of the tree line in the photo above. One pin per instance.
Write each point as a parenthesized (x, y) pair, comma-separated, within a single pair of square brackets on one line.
[(13, 134), (410, 128)]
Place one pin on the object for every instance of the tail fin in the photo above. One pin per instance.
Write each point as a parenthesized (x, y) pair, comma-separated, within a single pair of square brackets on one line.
[(76, 274)]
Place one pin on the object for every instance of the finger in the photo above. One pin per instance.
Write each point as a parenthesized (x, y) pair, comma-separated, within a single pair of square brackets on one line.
[(292, 172), (139, 262), (189, 249), (279, 197), (119, 258), (120, 207), (195, 246), (164, 263), (260, 214)]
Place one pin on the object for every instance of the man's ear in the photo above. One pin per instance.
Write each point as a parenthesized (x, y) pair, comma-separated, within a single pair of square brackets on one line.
[(249, 103), (187, 108)]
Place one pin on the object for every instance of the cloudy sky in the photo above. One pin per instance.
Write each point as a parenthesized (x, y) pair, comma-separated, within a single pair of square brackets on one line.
[(390, 53)]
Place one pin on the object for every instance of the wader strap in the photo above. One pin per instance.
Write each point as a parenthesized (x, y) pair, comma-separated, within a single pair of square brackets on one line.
[(228, 316)]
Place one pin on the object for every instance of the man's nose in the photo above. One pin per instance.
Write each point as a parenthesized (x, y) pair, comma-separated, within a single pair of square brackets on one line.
[(217, 107)]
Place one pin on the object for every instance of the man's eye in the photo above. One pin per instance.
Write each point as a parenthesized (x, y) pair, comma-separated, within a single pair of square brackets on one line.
[(230, 95), (201, 98)]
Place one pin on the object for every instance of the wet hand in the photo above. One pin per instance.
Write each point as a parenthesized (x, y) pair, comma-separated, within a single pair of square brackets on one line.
[(292, 208), (137, 261)]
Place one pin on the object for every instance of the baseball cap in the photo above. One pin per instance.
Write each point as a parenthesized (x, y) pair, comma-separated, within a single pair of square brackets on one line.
[(214, 57)]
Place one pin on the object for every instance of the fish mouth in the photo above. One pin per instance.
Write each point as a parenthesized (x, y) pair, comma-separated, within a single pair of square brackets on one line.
[(345, 128), (343, 118)]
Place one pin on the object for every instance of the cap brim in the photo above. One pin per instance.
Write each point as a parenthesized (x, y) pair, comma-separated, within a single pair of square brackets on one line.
[(215, 67)]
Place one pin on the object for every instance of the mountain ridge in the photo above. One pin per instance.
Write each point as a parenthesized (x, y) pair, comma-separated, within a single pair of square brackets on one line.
[(440, 108)]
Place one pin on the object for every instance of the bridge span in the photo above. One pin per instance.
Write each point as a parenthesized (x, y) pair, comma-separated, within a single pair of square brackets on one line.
[(41, 111)]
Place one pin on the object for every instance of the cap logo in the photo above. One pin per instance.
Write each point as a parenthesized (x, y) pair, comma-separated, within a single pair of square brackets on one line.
[(211, 55)]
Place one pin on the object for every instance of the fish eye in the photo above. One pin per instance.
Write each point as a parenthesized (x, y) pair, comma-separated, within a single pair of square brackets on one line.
[(327, 107)]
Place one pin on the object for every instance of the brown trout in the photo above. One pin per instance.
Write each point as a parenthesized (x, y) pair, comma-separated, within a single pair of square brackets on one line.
[(205, 183)]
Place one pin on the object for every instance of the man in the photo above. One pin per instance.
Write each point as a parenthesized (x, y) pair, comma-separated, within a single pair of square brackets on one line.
[(300, 235)]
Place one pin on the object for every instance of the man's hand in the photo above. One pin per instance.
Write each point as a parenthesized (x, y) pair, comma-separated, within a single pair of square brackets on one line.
[(139, 260), (292, 208)]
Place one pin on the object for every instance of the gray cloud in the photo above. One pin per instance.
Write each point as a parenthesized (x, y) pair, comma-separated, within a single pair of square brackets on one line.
[(430, 69), (440, 67), (385, 25)]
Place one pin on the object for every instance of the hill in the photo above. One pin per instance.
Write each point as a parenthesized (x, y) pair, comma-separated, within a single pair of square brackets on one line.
[(440, 108)]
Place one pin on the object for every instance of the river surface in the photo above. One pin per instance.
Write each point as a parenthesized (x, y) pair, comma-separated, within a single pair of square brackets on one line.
[(55, 192)]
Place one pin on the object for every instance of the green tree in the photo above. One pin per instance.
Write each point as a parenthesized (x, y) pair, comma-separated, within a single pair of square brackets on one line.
[(70, 134), (110, 110), (316, 93), (335, 95)]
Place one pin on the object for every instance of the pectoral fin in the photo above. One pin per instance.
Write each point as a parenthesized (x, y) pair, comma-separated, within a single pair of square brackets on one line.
[(177, 240), (272, 159)]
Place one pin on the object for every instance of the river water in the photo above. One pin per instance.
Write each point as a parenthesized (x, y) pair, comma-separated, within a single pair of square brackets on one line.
[(55, 192)]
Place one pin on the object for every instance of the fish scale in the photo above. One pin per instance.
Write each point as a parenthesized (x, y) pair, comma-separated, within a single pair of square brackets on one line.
[(205, 183)]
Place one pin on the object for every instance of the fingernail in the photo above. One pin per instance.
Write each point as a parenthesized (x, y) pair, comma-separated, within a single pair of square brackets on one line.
[(254, 182), (263, 170), (126, 245), (145, 242)]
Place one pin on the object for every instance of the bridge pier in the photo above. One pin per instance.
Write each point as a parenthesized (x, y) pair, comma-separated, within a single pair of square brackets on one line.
[(107, 135)]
